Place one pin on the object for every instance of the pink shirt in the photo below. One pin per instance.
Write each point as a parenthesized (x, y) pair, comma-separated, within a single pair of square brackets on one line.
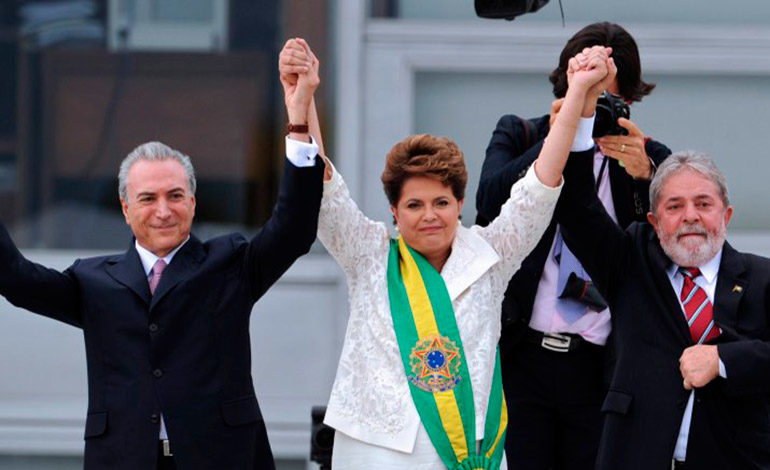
[(593, 326)]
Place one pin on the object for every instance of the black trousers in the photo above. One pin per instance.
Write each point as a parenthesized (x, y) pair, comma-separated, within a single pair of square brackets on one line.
[(554, 401)]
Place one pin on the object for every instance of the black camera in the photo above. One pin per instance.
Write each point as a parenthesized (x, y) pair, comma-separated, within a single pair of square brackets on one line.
[(583, 291), (508, 9), (609, 108)]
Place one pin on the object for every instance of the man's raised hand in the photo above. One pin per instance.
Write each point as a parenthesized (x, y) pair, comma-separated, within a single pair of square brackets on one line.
[(298, 71)]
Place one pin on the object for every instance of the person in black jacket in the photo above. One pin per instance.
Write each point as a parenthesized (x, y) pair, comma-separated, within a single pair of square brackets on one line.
[(691, 388), (556, 326), (166, 322)]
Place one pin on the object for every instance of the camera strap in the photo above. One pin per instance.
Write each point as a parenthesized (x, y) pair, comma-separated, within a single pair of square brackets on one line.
[(601, 173)]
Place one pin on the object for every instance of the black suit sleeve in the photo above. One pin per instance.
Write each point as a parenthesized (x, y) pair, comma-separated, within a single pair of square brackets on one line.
[(37, 288), (597, 241), (746, 363), (291, 229), (507, 160), (658, 153), (747, 359)]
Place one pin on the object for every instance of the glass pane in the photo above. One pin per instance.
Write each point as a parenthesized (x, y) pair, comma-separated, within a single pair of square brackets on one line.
[(216, 109), (200, 11)]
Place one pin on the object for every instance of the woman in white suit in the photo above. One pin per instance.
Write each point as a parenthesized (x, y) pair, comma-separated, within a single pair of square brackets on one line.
[(418, 383)]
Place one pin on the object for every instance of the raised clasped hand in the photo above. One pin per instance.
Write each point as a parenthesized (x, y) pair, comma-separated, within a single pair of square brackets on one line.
[(298, 71), (589, 65), (590, 68)]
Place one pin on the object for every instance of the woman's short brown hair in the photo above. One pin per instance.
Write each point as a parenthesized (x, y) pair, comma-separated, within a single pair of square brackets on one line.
[(624, 52), (424, 155)]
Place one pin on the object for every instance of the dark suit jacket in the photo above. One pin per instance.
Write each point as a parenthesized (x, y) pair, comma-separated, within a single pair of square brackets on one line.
[(185, 351), (510, 153), (644, 407)]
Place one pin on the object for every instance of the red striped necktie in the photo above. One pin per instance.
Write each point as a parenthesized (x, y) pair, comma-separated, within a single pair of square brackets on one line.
[(697, 308)]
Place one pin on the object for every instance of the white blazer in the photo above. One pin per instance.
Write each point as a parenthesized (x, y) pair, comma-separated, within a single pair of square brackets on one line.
[(370, 400)]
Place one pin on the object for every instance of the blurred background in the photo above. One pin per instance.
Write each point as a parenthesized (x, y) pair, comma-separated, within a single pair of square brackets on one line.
[(82, 82)]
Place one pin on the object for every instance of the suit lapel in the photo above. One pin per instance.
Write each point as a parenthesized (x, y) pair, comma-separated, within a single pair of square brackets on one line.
[(471, 257), (731, 284), (127, 269), (182, 266), (673, 314)]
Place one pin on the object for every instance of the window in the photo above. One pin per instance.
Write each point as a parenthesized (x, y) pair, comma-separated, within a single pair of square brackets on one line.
[(192, 25)]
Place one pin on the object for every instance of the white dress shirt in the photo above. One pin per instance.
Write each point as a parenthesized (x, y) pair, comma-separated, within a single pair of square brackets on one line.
[(301, 154), (593, 326), (708, 282)]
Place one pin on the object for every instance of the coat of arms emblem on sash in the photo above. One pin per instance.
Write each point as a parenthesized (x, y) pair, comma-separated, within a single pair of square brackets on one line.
[(435, 362)]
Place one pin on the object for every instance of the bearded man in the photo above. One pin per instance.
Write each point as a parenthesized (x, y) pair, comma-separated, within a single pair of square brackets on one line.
[(691, 388)]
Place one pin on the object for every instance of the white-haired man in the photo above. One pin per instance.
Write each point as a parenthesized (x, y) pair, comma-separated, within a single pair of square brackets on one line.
[(690, 388), (166, 323)]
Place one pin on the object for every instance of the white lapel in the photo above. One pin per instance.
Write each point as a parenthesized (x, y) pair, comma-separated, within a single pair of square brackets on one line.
[(471, 257)]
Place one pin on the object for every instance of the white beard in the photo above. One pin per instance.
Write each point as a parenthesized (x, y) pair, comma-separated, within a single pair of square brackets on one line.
[(693, 255)]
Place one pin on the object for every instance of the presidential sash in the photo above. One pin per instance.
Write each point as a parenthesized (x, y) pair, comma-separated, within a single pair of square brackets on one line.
[(436, 370)]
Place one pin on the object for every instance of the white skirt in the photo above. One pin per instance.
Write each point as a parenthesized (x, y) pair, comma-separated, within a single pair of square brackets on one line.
[(352, 454)]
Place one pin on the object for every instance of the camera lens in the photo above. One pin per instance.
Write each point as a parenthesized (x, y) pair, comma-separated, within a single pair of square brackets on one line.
[(603, 123), (609, 108)]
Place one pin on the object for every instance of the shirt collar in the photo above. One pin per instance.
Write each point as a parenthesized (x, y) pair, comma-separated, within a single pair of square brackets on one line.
[(709, 270), (149, 259)]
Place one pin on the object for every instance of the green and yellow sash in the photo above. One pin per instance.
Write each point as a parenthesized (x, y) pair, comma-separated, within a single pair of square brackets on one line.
[(430, 346)]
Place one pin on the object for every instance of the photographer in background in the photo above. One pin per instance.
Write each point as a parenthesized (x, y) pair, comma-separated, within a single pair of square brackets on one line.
[(555, 324)]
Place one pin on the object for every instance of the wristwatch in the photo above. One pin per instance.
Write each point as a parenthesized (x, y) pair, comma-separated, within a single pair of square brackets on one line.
[(297, 128)]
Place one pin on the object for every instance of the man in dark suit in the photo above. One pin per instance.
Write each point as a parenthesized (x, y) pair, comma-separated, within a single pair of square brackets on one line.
[(692, 319), (554, 362), (166, 324)]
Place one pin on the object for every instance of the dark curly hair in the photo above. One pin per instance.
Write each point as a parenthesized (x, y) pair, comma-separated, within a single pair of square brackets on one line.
[(624, 51), (424, 155)]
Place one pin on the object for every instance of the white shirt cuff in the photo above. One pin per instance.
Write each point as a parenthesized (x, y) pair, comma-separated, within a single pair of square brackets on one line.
[(584, 139), (722, 369), (301, 154)]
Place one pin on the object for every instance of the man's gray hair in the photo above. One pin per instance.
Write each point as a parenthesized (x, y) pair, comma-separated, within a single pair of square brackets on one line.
[(687, 160), (153, 151)]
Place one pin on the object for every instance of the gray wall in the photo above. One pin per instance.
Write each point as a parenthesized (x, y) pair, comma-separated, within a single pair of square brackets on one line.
[(723, 116)]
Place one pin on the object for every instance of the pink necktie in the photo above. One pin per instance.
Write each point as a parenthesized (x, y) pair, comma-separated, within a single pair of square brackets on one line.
[(157, 272)]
